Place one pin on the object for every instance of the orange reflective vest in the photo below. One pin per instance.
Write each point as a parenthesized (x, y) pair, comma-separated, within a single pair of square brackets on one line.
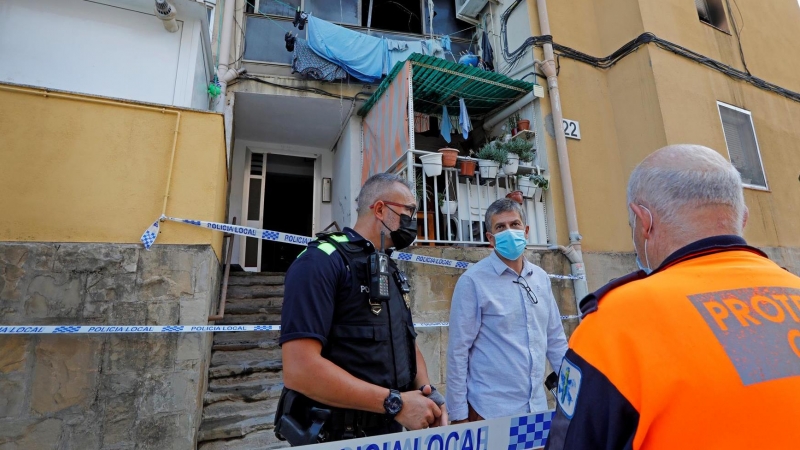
[(704, 353)]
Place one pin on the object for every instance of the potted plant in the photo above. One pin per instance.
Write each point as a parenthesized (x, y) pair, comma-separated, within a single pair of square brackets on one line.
[(511, 126), (522, 124), (467, 168), (490, 156), (518, 150), (446, 206), (528, 184), (515, 195), (432, 164), (449, 156), (426, 196)]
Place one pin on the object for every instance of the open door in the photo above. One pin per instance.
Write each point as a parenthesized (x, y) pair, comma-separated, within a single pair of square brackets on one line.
[(279, 196), (252, 203)]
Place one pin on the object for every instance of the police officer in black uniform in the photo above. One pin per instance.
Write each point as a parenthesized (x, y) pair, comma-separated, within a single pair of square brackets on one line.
[(351, 367)]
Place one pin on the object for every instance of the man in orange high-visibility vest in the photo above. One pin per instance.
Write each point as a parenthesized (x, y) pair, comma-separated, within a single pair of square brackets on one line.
[(701, 347)]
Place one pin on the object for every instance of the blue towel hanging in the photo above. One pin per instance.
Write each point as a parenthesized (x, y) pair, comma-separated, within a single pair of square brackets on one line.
[(463, 118), (445, 125)]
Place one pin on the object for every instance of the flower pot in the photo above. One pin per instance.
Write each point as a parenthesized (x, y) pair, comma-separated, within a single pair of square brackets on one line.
[(516, 196), (488, 168), (523, 124), (432, 164), (449, 156), (511, 167), (468, 167), (449, 207), (526, 186)]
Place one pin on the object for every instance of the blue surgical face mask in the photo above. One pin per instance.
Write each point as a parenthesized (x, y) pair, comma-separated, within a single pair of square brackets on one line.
[(510, 243)]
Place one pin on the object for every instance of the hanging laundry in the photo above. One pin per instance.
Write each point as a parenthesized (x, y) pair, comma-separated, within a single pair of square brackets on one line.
[(463, 119), (313, 66), (362, 56), (487, 54), (422, 122), (455, 126), (399, 51), (445, 125)]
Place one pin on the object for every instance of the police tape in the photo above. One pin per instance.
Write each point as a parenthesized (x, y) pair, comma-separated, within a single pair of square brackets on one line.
[(123, 329), (528, 431), (151, 233)]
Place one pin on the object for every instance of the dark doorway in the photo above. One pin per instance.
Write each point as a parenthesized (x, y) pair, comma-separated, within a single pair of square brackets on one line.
[(288, 207)]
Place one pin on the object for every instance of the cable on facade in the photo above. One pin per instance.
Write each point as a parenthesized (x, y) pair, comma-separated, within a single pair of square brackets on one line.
[(512, 57), (304, 89)]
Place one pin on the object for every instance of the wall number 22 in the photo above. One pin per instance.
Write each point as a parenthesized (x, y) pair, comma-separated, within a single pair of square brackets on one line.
[(572, 128)]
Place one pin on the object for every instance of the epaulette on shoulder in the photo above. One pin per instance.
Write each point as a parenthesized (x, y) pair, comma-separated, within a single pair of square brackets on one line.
[(589, 303)]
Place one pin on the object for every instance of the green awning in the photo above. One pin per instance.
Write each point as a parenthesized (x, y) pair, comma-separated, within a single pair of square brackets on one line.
[(438, 82)]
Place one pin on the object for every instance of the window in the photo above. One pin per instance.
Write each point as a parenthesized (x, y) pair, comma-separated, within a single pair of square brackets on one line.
[(740, 138), (712, 13), (393, 15)]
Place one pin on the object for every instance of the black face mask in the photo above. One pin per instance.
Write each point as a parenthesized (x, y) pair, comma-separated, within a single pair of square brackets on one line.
[(405, 234)]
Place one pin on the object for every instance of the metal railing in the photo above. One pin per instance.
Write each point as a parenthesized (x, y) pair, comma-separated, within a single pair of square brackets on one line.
[(225, 277), (451, 206)]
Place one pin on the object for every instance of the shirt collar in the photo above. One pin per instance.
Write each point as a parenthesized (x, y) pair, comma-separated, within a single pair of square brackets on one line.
[(713, 244), (352, 235), (499, 266)]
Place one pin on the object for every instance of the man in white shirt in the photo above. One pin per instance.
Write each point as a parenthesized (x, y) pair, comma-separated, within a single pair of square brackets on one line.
[(504, 322)]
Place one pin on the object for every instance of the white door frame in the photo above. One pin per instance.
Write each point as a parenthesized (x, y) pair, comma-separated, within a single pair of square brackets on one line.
[(317, 189)]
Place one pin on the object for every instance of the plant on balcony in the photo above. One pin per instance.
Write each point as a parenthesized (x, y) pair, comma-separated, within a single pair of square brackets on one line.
[(521, 148), (418, 190), (490, 156), (528, 184), (448, 206)]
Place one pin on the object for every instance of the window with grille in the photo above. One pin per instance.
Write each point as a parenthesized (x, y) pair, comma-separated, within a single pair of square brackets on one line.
[(740, 138), (712, 13)]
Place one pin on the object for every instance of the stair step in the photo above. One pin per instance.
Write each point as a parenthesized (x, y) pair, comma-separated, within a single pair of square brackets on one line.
[(245, 356), (250, 274), (255, 291), (260, 279), (246, 384), (264, 393), (247, 340), (250, 319), (259, 440), (232, 427), (254, 305), (230, 370), (231, 408)]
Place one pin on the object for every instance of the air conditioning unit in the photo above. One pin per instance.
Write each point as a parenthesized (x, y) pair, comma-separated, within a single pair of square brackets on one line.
[(469, 8)]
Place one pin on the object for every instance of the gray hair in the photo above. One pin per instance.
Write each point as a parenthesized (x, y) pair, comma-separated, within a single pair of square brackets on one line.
[(679, 178), (500, 206), (376, 187)]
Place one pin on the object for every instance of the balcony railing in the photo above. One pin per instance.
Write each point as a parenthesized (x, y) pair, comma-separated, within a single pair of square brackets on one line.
[(451, 206)]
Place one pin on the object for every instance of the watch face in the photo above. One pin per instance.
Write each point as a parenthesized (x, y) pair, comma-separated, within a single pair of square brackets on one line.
[(394, 403)]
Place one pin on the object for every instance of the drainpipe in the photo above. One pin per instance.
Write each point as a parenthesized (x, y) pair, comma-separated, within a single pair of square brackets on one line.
[(573, 251), (226, 74)]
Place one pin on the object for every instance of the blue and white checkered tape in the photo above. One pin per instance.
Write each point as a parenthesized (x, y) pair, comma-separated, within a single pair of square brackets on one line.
[(116, 329), (529, 431), (150, 235)]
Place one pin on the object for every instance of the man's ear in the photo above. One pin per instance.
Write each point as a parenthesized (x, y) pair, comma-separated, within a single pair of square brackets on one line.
[(380, 209), (644, 217)]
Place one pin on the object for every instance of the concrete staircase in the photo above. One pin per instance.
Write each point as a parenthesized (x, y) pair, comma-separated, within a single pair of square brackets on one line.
[(245, 375)]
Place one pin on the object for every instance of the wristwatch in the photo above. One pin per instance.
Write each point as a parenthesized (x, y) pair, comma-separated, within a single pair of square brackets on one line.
[(393, 403)]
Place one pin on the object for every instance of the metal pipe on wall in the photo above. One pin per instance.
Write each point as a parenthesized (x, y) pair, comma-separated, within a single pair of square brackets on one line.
[(226, 74), (573, 251)]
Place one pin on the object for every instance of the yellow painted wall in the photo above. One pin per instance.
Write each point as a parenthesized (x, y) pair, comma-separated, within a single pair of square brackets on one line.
[(76, 171), (654, 98)]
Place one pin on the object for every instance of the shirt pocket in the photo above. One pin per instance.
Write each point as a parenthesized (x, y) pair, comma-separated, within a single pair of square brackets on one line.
[(377, 333)]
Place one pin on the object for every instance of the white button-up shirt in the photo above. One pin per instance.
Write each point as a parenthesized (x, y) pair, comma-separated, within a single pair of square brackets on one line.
[(499, 340)]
